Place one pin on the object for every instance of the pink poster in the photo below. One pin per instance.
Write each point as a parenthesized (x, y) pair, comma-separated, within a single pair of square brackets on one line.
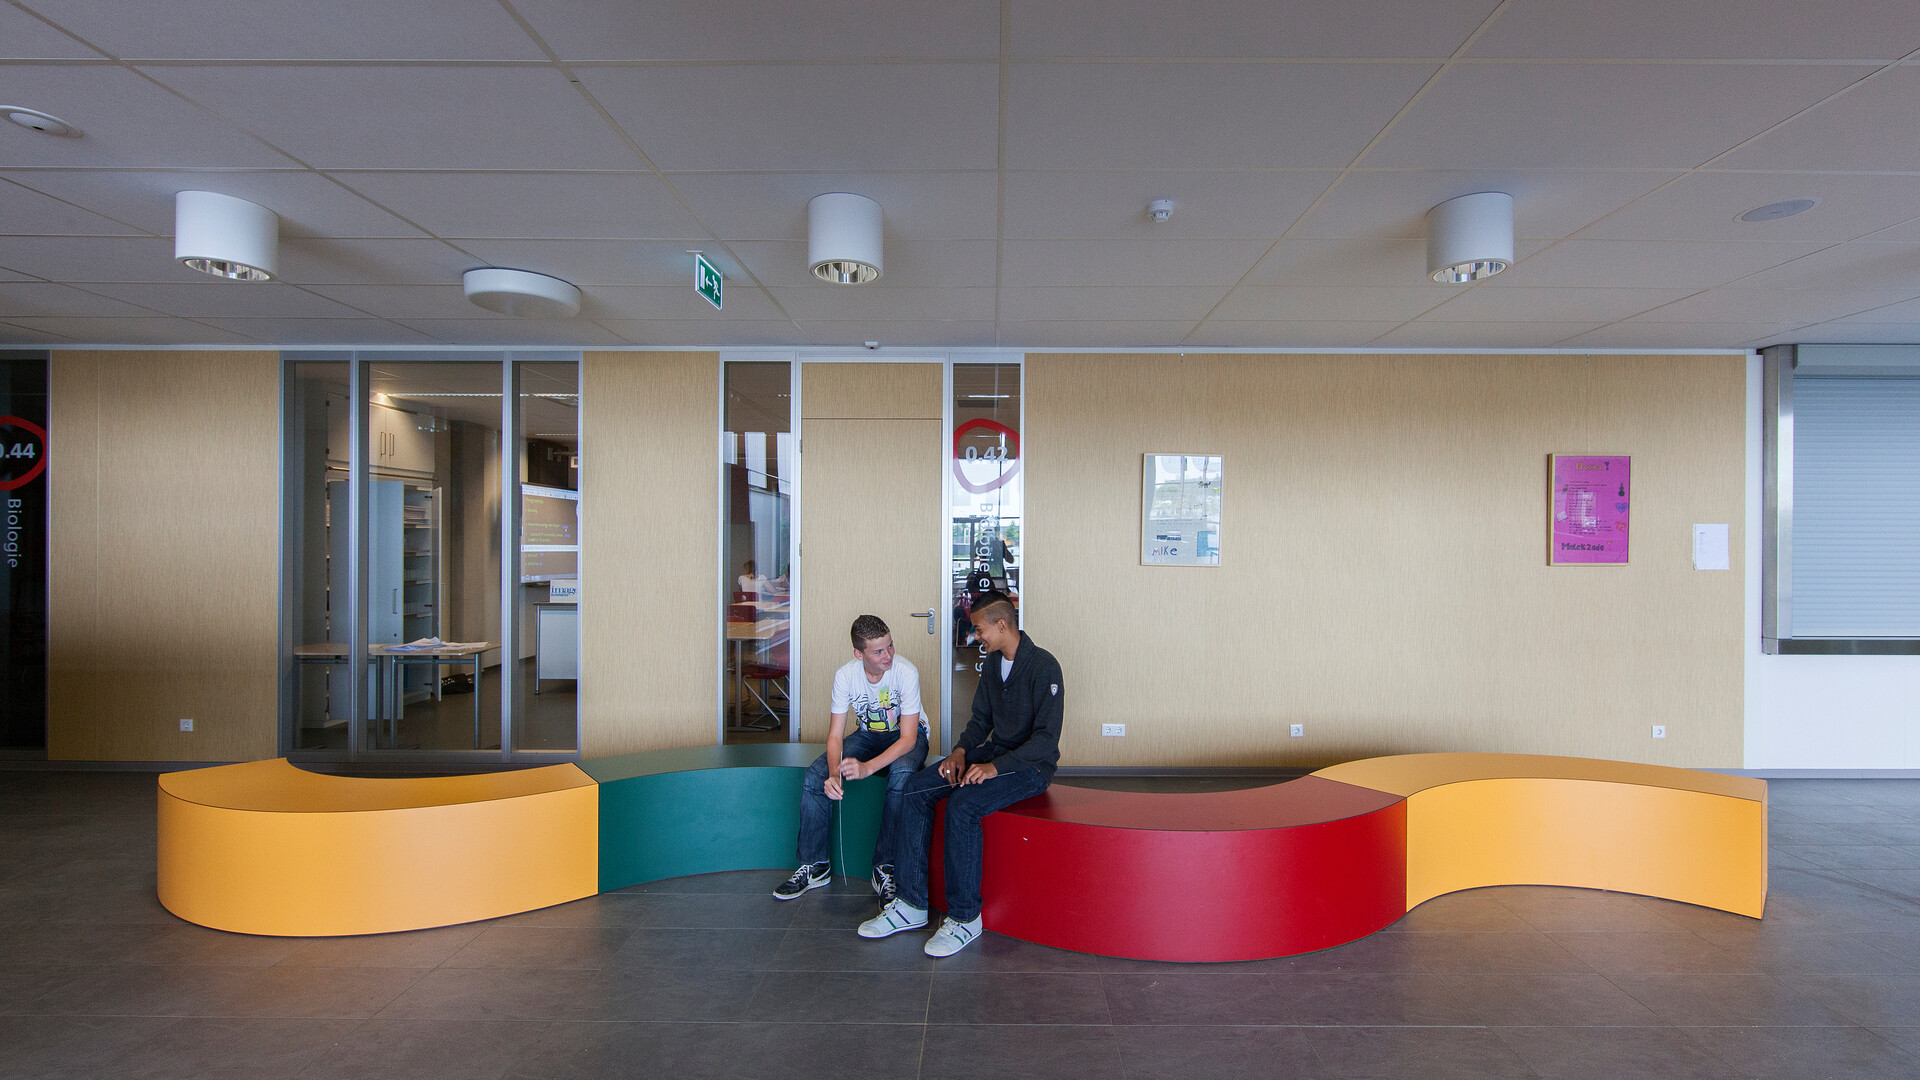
[(1589, 509)]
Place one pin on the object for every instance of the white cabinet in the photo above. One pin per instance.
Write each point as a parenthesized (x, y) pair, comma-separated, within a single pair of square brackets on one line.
[(398, 441)]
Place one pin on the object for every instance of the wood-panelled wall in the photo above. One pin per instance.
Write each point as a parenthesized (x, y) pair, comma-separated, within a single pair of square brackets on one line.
[(1384, 575), (649, 526), (164, 580)]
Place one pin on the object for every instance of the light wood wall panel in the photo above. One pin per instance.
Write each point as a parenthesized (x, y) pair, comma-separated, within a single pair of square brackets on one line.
[(1384, 577), (649, 615), (165, 477), (833, 391)]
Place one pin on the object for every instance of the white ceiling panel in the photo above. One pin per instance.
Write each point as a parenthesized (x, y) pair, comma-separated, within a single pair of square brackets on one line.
[(88, 258), (1398, 263), (1306, 334), (9, 275), (857, 117), (409, 116), (853, 303), (13, 334), (1599, 116), (766, 29), (1109, 304), (1523, 304), (514, 331), (1862, 333), (1113, 205), (24, 211), (48, 299), (1243, 28), (407, 302), (307, 203), (1853, 132), (893, 334), (913, 206), (547, 205), (667, 302), (1545, 204), (1070, 334), (125, 122), (1128, 262), (1867, 267), (297, 29), (1480, 335), (1798, 306), (1676, 264), (909, 263), (1907, 311), (1232, 116), (1770, 29), (324, 331), (705, 332), (1328, 303), (606, 262), (23, 37), (317, 261), (149, 331), (1707, 206), (214, 298), (1651, 335)]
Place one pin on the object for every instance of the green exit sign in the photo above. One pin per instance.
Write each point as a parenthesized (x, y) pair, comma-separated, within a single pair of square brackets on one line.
[(706, 280)]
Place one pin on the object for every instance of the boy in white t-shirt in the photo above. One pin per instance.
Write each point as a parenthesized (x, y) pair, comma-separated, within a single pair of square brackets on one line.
[(880, 694)]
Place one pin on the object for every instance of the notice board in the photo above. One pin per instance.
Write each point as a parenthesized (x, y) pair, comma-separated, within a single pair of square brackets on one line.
[(1589, 509)]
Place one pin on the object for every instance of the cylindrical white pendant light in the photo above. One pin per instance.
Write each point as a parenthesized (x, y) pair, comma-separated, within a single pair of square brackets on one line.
[(1470, 238), (226, 237), (521, 293), (844, 238)]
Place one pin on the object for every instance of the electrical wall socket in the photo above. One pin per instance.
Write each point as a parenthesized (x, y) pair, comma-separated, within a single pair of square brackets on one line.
[(1113, 729), (186, 725), (1659, 731), (1299, 731)]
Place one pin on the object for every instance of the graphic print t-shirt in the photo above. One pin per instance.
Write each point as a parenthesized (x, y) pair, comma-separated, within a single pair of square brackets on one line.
[(876, 706)]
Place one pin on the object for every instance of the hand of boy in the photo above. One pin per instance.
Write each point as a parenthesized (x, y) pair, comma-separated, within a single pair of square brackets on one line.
[(832, 785), (854, 770), (954, 765), (981, 773)]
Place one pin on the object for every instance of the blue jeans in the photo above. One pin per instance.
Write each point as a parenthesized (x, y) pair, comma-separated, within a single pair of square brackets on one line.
[(966, 808), (816, 810)]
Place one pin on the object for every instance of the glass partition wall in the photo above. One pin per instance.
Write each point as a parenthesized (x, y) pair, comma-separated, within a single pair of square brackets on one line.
[(986, 508), (431, 557), (757, 580)]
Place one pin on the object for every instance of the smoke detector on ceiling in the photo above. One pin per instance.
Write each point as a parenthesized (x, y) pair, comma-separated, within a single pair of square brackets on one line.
[(44, 123), (1160, 210), (1786, 208)]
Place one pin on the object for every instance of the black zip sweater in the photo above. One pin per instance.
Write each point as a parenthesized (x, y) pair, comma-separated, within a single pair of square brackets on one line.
[(1016, 721)]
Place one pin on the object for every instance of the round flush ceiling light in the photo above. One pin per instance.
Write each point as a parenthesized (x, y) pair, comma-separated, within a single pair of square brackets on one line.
[(844, 238), (522, 293), (44, 123), (226, 237), (1783, 209), (1470, 238)]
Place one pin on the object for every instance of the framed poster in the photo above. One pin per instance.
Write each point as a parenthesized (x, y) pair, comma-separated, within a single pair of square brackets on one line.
[(1180, 510), (1588, 509)]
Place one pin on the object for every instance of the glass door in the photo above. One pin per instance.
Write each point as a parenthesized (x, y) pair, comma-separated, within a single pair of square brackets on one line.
[(985, 512)]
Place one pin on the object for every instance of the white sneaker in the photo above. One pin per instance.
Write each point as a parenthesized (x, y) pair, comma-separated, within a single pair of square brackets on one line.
[(952, 937), (896, 916)]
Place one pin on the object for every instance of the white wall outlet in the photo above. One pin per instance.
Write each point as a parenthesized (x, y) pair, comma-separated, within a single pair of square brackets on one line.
[(1659, 731), (1299, 731), (1113, 729), (186, 725)]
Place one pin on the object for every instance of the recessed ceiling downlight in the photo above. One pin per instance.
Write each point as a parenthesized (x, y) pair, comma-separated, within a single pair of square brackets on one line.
[(1783, 209), (521, 293), (45, 123), (224, 236)]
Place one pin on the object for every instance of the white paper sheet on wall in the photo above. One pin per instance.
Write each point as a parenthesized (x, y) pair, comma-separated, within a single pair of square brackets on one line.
[(1710, 548)]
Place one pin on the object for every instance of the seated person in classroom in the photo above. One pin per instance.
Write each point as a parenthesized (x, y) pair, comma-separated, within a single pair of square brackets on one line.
[(880, 692), (751, 581), (1008, 753)]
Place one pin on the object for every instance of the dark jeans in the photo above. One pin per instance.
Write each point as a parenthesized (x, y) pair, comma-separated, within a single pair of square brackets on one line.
[(816, 810), (966, 808)]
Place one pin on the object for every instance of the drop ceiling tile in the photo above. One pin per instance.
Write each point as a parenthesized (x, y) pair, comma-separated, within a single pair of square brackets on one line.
[(1848, 134), (537, 206), (779, 117), (1907, 311), (90, 258), (656, 30), (951, 335), (1300, 334), (1095, 334), (43, 298), (226, 299), (1230, 116), (23, 37), (909, 263), (1328, 303), (616, 302), (9, 275), (318, 261), (324, 331), (1395, 263), (1480, 335), (605, 262), (408, 302), (1113, 205), (503, 331), (855, 303), (706, 332), (1778, 29), (409, 116), (24, 211), (11, 334), (1595, 116), (1110, 303), (124, 121), (1128, 262), (148, 331), (1865, 267), (1773, 305), (1707, 205), (1243, 28), (1524, 304), (297, 30), (1703, 335), (1853, 333), (913, 206), (1677, 264), (307, 203), (1545, 204)]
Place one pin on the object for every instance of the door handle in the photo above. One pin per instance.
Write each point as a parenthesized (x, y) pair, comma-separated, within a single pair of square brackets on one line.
[(927, 615)]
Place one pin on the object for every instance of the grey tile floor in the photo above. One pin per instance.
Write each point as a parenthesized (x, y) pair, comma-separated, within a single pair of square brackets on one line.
[(709, 977)]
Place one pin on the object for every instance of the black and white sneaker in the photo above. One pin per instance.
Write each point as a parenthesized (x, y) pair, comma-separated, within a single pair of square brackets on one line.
[(883, 883), (809, 876)]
